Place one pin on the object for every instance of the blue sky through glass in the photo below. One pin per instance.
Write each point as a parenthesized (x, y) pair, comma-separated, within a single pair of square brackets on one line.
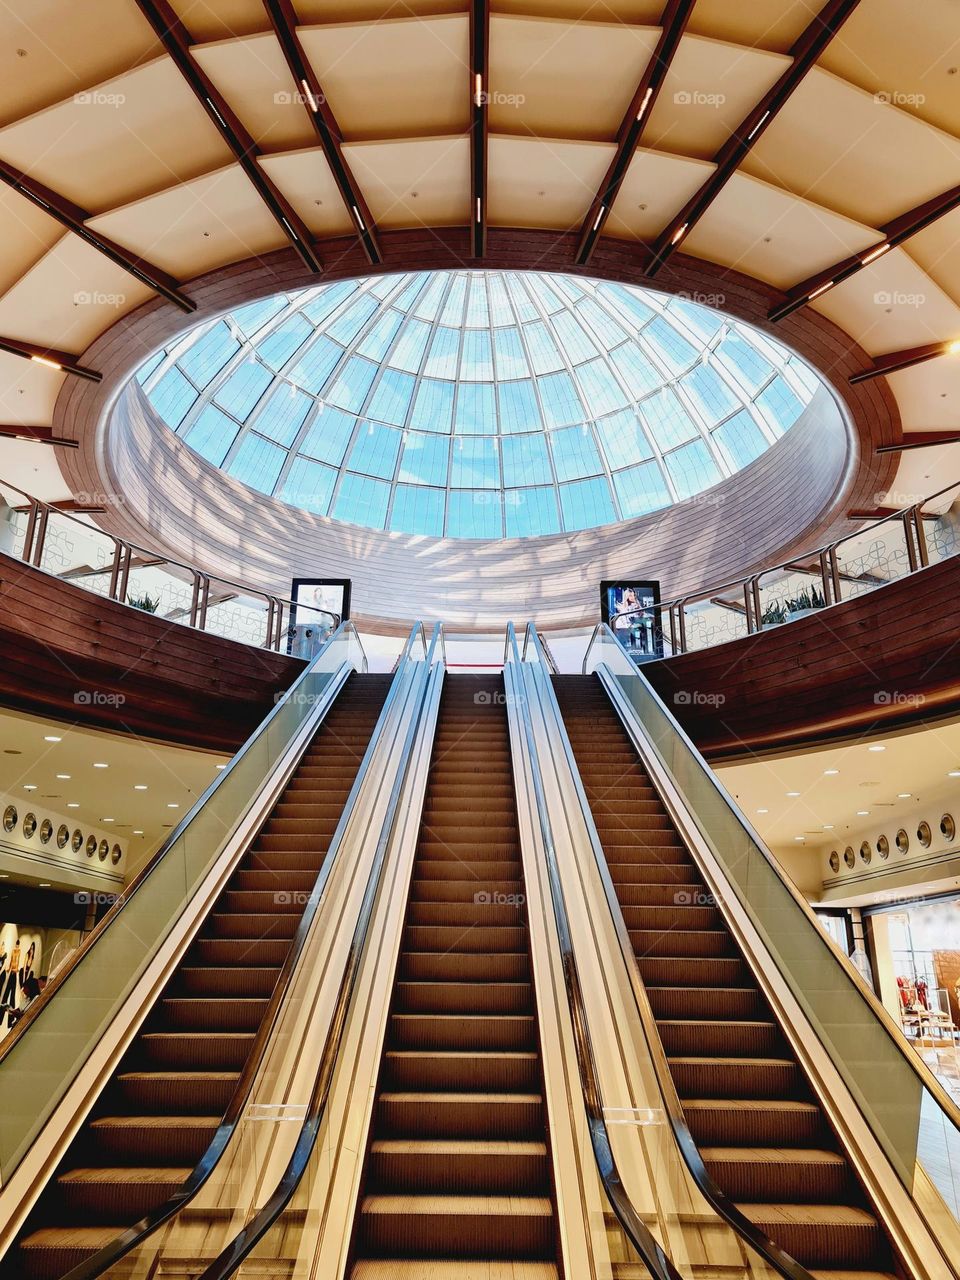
[(474, 404)]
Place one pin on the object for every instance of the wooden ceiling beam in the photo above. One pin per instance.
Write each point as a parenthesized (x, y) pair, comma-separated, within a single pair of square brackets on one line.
[(36, 435), (49, 356), (284, 20), (673, 22), (479, 122), (74, 218), (920, 440), (891, 234), (894, 361), (804, 53), (177, 41)]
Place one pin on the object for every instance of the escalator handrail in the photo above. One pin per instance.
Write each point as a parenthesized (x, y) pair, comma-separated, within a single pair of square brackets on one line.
[(926, 1077), (656, 1259), (110, 1254), (230, 1258), (782, 1261), (36, 1007)]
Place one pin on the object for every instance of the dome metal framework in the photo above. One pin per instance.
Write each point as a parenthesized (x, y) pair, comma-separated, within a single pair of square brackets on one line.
[(473, 404)]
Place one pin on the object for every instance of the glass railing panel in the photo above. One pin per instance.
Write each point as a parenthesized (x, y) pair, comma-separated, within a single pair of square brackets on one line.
[(911, 1117), (714, 621), (874, 557), (942, 535), (41, 1063), (236, 614), (160, 587), (78, 553), (786, 594)]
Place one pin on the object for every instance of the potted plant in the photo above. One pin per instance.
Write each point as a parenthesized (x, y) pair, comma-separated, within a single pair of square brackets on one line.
[(799, 606), (144, 602)]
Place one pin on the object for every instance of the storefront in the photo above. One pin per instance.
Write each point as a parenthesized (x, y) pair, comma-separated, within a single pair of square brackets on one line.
[(915, 954)]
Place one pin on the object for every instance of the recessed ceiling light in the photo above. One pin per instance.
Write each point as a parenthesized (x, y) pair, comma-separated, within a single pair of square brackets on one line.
[(51, 737), (799, 837), (29, 786), (44, 884), (830, 773), (4, 876), (64, 777), (140, 786), (100, 764), (221, 766), (793, 793), (73, 805), (173, 806), (904, 795), (954, 773), (107, 819), (763, 811), (828, 826), (876, 748), (138, 833), (863, 813)]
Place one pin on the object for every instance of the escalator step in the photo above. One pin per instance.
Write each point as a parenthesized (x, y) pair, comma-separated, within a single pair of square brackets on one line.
[(461, 1072), (133, 1139), (462, 1226), (193, 1013), (194, 1051), (736, 1077), (775, 1175), (460, 1115), (759, 1121), (457, 1031), (461, 1269), (727, 1038), (463, 998), (238, 980), (431, 966), (118, 1194), (181, 1092), (457, 1167), (820, 1235)]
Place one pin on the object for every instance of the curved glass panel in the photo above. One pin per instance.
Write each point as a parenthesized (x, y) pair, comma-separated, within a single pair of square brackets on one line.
[(473, 404)]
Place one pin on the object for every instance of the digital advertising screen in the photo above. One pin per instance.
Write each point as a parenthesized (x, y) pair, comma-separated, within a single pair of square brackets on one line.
[(319, 606), (632, 611)]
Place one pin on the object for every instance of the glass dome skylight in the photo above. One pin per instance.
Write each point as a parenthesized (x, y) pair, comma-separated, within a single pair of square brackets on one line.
[(474, 404)]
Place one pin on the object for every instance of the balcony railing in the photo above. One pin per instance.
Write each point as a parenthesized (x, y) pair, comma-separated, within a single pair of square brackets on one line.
[(880, 553), (76, 551)]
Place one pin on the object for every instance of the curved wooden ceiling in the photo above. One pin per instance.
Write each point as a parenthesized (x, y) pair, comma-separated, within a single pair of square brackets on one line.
[(144, 144)]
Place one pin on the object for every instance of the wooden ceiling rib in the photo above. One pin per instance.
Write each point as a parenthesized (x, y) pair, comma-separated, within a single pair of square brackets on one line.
[(804, 53), (894, 361), (50, 357), (37, 435), (74, 218), (177, 41), (673, 23), (920, 440), (479, 89), (892, 234), (284, 19)]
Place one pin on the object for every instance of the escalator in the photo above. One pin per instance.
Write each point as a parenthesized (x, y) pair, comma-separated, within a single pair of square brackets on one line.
[(157, 1116), (760, 1131), (457, 1179)]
